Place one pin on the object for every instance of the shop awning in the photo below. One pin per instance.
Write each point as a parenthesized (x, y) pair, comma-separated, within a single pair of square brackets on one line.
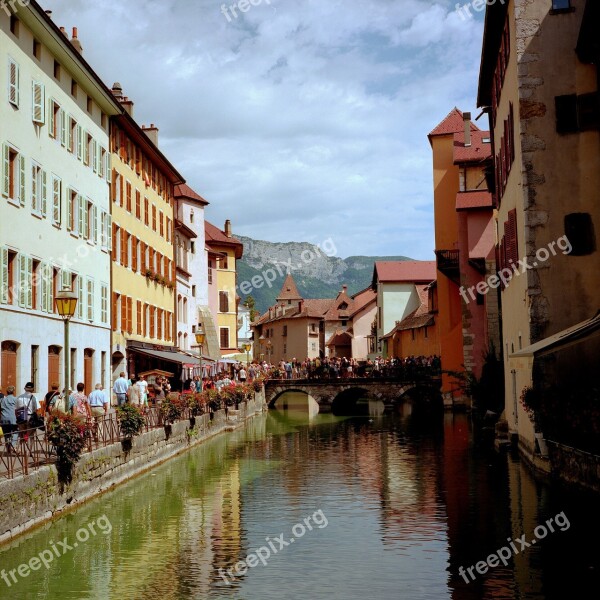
[(174, 357)]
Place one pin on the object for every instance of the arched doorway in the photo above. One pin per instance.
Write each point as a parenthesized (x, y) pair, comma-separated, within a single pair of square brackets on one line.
[(8, 365)]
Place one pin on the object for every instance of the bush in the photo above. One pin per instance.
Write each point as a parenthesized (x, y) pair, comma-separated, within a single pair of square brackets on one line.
[(171, 409), (67, 435), (131, 420)]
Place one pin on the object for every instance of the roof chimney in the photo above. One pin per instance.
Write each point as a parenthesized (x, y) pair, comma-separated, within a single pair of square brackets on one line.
[(75, 41), (127, 104), (344, 288), (228, 228), (467, 120), (152, 133), (49, 13), (64, 31)]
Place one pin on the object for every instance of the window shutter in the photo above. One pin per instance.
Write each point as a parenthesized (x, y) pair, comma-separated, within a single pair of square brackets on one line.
[(114, 311), (3, 275), (94, 227), (80, 217), (22, 281), (134, 247), (69, 210), (121, 190), (513, 243), (29, 282), (139, 317), (44, 287), (114, 242), (86, 220), (50, 296), (5, 170), (44, 193), (38, 102), (66, 279), (35, 202), (86, 149), (56, 200), (21, 180), (109, 231), (124, 314), (51, 118), (79, 142), (63, 127), (13, 82), (107, 168), (143, 258), (90, 300), (80, 293), (129, 315)]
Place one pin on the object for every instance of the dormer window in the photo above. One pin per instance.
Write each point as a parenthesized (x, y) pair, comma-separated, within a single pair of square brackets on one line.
[(343, 306)]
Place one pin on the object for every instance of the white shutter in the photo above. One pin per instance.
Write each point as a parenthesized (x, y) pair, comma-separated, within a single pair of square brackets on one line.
[(69, 200), (35, 205), (22, 281), (71, 139), (86, 148), (90, 300), (107, 169), (63, 127), (29, 282), (94, 227), (13, 82), (79, 142), (66, 279), (50, 288), (38, 102), (80, 217), (3, 275), (5, 170), (51, 118), (109, 231), (21, 180), (94, 163), (56, 199), (44, 193), (44, 287), (80, 294)]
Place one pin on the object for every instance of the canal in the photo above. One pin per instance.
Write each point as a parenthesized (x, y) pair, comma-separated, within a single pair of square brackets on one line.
[(378, 507)]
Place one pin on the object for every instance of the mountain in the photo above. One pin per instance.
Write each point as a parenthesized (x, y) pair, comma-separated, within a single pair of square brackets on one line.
[(317, 272)]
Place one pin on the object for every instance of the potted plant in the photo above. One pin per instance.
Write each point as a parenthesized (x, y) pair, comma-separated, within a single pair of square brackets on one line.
[(148, 273), (68, 436), (531, 401), (131, 422)]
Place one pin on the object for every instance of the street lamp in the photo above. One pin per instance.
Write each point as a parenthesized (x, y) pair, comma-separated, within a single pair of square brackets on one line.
[(269, 350), (66, 302), (247, 347), (200, 337)]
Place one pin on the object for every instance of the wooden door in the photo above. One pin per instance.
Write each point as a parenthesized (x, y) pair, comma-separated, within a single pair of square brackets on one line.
[(53, 366), (8, 367), (88, 357)]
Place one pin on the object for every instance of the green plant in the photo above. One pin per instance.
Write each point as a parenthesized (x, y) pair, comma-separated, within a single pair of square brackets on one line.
[(148, 273), (257, 384), (67, 434), (531, 401), (171, 409), (131, 420)]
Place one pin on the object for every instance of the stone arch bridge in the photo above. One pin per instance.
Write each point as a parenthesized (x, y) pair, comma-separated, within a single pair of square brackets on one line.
[(329, 391)]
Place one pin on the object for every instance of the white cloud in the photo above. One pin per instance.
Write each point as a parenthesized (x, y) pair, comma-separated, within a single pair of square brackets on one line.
[(299, 120)]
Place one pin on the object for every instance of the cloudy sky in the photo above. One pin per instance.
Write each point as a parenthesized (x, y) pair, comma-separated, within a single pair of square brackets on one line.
[(300, 120)]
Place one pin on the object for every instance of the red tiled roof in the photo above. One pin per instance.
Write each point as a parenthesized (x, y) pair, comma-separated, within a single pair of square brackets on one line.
[(335, 313), (216, 237), (405, 270), (185, 191), (477, 151), (478, 199), (316, 307), (289, 291), (363, 299), (453, 123)]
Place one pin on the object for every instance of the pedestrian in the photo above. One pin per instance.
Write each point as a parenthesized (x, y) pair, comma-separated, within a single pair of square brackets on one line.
[(98, 402), (8, 418), (120, 388), (79, 405), (25, 407), (134, 393), (143, 389), (50, 399), (242, 375)]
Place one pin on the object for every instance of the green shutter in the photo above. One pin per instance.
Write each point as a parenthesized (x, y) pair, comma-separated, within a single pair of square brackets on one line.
[(22, 281), (3, 275), (21, 180), (5, 170)]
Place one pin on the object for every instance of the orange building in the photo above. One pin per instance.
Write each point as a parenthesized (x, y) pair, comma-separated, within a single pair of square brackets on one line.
[(468, 322)]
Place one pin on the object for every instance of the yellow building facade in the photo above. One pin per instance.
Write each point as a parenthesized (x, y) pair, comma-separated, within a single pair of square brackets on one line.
[(143, 266)]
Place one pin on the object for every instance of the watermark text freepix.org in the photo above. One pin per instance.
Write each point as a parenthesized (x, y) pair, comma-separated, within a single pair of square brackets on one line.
[(504, 554), (465, 13), (507, 273), (56, 550), (262, 554), (10, 6), (242, 6)]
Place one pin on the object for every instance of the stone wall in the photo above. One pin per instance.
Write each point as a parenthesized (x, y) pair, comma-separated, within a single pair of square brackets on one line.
[(29, 500)]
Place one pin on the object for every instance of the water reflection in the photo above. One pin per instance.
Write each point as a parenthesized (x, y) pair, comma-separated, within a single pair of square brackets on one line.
[(408, 501)]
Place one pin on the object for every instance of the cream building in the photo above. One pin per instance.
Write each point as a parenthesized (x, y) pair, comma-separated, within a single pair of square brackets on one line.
[(54, 209)]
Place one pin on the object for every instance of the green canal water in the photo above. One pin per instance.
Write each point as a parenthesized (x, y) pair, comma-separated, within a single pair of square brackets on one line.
[(378, 507)]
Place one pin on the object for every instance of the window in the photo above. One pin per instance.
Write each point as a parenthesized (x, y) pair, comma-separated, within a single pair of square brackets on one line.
[(284, 333), (13, 175), (89, 151), (577, 113), (193, 247), (161, 221), (223, 302), (73, 88), (103, 121), (104, 303), (13, 82), (38, 102), (579, 230), (344, 322), (72, 135), (224, 337), (34, 366), (128, 196), (138, 204), (138, 315), (210, 270), (560, 5), (72, 211), (153, 218), (480, 299), (90, 222), (25, 281), (14, 25), (223, 261), (37, 49), (39, 193), (193, 291), (56, 70), (35, 278), (81, 296), (54, 116), (89, 105), (63, 128), (146, 212)]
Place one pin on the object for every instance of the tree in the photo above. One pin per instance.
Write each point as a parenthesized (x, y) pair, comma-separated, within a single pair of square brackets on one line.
[(250, 303)]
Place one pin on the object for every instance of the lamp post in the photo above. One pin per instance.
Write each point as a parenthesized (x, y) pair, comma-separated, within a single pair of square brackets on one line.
[(247, 347), (269, 350), (200, 337), (66, 302)]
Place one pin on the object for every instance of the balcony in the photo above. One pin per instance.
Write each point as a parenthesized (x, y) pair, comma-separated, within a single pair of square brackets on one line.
[(447, 263)]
